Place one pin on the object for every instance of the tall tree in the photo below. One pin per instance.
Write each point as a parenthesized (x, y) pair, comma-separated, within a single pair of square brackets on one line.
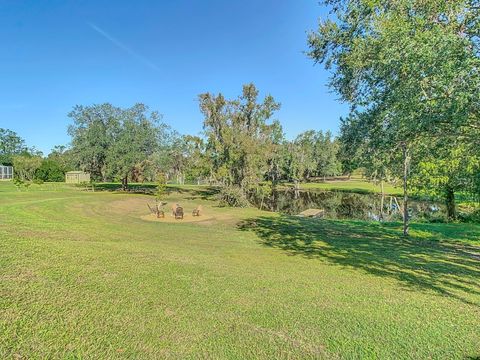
[(92, 133), (111, 142), (63, 156), (10, 144), (326, 150), (239, 135), (409, 67), (300, 162)]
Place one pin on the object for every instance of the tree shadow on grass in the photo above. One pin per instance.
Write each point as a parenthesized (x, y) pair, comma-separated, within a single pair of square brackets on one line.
[(204, 192), (133, 188), (430, 259)]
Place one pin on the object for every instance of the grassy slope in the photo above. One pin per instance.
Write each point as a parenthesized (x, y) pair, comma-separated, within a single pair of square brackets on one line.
[(353, 185), (82, 275)]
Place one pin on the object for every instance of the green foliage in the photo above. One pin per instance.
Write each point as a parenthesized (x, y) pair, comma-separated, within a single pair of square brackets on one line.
[(19, 183), (64, 157), (26, 166), (111, 143), (311, 154), (240, 137), (470, 217), (233, 196), (409, 70), (161, 186), (264, 190), (451, 168), (182, 157), (10, 145), (50, 170)]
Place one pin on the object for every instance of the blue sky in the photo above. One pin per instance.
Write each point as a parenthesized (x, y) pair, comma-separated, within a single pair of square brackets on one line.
[(56, 54)]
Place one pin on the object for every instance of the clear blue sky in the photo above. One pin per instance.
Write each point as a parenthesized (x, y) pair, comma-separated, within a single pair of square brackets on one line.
[(56, 54)]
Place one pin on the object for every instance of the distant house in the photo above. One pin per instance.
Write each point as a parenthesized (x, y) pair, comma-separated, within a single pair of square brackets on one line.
[(6, 172), (76, 177)]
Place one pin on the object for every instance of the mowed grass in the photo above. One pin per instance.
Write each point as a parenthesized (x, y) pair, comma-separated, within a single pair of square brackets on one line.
[(83, 276), (354, 184)]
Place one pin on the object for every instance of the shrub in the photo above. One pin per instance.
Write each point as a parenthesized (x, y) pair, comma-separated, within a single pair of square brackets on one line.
[(471, 217), (19, 183), (50, 170), (233, 196)]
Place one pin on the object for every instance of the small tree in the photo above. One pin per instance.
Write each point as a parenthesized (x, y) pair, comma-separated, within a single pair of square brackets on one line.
[(26, 166), (161, 186), (264, 190)]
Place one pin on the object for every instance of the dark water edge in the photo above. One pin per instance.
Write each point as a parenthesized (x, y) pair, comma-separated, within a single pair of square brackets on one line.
[(348, 205)]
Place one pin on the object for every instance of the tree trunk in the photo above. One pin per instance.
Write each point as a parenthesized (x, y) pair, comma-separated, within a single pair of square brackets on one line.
[(406, 161), (296, 188), (450, 202), (125, 183), (296, 185), (382, 200)]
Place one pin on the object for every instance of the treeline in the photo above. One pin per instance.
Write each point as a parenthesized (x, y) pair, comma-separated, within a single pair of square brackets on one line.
[(30, 164), (241, 146)]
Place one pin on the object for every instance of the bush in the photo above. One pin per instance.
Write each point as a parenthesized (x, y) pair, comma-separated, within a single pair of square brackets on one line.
[(19, 183), (233, 196), (50, 170), (471, 217)]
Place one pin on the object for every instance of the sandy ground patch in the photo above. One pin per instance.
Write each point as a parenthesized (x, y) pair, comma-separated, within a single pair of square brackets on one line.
[(186, 218)]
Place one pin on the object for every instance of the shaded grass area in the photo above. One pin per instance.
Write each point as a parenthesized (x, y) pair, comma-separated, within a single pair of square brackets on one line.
[(82, 276), (427, 260), (150, 188)]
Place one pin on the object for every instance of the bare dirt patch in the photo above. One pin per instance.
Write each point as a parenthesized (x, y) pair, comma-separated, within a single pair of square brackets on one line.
[(170, 219)]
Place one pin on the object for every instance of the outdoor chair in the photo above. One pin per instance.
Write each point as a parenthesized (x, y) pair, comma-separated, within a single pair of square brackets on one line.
[(179, 212), (174, 209), (155, 210), (197, 210)]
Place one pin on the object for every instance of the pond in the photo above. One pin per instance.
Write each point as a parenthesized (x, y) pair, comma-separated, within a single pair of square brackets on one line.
[(348, 205)]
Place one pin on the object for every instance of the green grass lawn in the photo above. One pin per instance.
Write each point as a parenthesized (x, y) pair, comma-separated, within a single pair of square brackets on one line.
[(355, 184), (85, 275)]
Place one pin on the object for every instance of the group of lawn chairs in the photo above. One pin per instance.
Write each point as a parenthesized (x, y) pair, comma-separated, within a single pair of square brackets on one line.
[(177, 210)]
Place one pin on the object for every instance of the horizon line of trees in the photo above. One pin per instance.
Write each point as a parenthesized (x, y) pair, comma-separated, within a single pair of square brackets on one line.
[(240, 146), (242, 149)]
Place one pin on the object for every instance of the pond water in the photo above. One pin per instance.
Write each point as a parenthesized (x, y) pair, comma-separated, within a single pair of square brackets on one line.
[(348, 205)]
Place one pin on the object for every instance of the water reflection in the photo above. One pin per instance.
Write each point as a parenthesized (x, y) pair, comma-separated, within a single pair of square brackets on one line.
[(346, 205)]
